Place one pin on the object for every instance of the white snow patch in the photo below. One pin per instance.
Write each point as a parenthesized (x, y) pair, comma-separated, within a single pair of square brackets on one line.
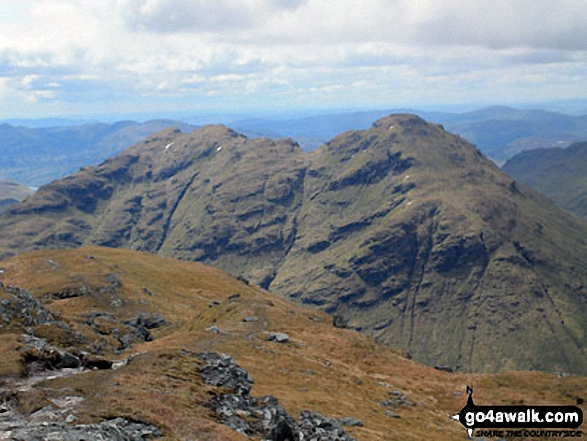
[(219, 148), (407, 177), (391, 127), (169, 145)]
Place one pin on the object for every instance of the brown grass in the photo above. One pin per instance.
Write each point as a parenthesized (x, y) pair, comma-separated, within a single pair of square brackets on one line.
[(339, 373)]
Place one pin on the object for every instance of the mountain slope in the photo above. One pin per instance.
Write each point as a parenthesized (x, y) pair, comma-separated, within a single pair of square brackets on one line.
[(405, 230), (11, 193), (82, 302), (560, 174)]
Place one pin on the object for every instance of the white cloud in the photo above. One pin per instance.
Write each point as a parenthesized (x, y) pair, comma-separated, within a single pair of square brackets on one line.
[(354, 53), (171, 16)]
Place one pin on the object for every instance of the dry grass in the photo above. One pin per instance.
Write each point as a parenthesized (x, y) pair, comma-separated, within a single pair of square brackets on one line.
[(339, 373)]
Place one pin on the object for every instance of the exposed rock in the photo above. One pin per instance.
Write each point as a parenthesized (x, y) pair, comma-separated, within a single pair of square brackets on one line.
[(222, 371), (391, 414), (351, 422), (444, 369), (39, 355), (316, 427), (278, 337), (129, 332), (147, 320), (397, 398), (263, 417), (22, 309), (338, 321), (119, 429), (216, 330)]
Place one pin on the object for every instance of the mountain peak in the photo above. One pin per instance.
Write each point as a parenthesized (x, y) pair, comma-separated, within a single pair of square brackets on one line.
[(402, 119), (405, 230)]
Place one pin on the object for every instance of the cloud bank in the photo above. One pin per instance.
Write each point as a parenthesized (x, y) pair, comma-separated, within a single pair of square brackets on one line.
[(83, 56)]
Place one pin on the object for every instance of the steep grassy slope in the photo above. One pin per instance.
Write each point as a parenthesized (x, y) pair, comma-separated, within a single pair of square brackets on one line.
[(339, 373), (405, 230), (560, 174)]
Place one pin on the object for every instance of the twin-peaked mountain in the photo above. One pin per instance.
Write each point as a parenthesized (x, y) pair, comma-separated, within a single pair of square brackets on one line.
[(404, 230)]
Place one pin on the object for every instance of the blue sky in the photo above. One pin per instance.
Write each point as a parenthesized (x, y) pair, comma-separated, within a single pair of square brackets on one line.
[(120, 57)]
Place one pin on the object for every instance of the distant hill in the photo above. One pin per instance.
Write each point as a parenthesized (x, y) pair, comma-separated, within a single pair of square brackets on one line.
[(560, 174), (499, 132), (404, 230), (11, 193), (36, 156)]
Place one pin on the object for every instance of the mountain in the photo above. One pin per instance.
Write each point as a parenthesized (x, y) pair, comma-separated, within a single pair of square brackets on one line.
[(499, 132), (11, 193), (560, 174), (405, 231), (112, 344), (36, 155)]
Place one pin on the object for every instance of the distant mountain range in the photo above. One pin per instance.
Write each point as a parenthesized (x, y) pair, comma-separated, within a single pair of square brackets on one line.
[(403, 230), (560, 174), (499, 132), (35, 156)]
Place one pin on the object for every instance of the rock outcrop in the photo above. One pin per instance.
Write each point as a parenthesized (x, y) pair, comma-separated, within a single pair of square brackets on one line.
[(262, 417)]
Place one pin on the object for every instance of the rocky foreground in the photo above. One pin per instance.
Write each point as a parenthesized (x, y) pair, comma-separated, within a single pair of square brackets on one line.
[(108, 343)]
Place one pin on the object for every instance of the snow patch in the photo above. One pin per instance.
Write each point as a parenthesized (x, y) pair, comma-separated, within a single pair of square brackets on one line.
[(169, 145)]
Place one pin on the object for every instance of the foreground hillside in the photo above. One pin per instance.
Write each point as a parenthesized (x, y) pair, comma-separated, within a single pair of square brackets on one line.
[(85, 304), (560, 174), (405, 231)]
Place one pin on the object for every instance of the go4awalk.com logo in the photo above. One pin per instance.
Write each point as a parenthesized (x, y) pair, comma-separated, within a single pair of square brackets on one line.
[(520, 421)]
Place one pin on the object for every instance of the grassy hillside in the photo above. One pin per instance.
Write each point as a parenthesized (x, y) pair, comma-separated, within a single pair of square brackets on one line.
[(337, 372)]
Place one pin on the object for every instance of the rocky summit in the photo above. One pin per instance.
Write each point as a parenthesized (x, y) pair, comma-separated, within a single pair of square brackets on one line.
[(404, 231)]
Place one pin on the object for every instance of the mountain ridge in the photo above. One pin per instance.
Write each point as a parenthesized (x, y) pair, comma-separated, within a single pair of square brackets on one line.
[(406, 231)]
